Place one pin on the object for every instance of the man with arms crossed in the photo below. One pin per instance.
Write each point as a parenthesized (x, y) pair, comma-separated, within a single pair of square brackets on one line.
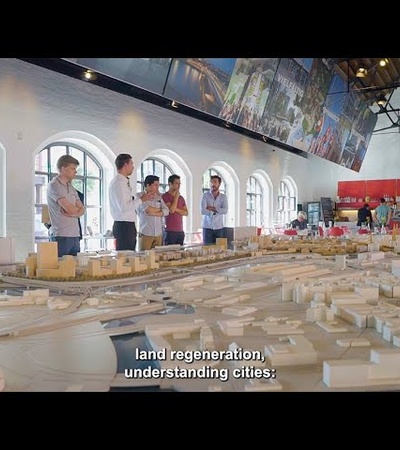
[(214, 206), (123, 205), (151, 213), (65, 207), (174, 233)]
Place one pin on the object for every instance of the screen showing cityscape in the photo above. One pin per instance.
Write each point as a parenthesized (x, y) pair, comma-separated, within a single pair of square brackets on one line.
[(301, 102)]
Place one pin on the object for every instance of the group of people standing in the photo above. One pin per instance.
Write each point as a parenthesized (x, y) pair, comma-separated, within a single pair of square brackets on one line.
[(160, 215), (383, 214)]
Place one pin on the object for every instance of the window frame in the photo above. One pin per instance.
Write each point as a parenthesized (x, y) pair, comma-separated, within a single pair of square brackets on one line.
[(255, 214)]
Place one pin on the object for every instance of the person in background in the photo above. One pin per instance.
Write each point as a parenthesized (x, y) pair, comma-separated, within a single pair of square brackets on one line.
[(123, 204), (151, 214), (65, 207), (383, 213), (174, 233), (364, 215), (301, 221), (214, 206)]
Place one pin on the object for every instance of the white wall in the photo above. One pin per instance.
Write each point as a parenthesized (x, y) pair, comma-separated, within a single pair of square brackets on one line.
[(38, 106), (2, 191)]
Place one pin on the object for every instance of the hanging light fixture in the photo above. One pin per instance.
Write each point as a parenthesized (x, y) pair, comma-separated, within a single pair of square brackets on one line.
[(361, 72), (381, 100), (89, 75)]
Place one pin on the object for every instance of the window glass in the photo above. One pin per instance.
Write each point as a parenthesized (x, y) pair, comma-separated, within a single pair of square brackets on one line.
[(93, 170), (41, 162), (286, 204), (254, 203)]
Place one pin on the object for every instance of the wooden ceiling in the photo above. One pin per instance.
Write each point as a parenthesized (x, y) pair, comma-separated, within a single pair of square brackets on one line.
[(378, 81)]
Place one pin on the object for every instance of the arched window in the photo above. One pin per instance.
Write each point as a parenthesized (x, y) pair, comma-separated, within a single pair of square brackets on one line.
[(286, 203), (206, 180), (153, 166), (254, 203), (89, 181)]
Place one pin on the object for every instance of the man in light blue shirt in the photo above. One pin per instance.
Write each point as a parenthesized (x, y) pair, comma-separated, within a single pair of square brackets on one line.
[(214, 206), (383, 213)]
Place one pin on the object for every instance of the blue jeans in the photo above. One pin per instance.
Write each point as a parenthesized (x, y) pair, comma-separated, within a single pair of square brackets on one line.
[(67, 245), (174, 237), (210, 236)]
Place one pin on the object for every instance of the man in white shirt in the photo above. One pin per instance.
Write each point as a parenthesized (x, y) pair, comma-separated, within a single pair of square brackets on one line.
[(123, 205)]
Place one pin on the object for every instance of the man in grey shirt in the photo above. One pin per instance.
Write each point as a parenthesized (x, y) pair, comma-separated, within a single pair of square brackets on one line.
[(65, 207)]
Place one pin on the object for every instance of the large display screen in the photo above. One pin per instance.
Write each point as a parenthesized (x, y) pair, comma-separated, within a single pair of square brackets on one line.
[(248, 91), (200, 83), (146, 73), (301, 102)]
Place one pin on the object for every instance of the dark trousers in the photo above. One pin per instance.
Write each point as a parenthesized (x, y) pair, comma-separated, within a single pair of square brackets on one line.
[(210, 236), (174, 237), (125, 235), (67, 245)]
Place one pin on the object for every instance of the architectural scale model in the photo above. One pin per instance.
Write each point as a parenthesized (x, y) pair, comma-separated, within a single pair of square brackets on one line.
[(275, 313)]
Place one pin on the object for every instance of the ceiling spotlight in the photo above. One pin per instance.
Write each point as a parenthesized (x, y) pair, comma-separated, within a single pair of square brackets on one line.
[(89, 75), (381, 100), (174, 104), (227, 124), (383, 62), (361, 72), (265, 139)]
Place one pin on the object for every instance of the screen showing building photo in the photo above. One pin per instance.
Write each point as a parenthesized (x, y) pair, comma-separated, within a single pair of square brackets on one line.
[(360, 121), (200, 83), (329, 134), (283, 115), (248, 92), (309, 107)]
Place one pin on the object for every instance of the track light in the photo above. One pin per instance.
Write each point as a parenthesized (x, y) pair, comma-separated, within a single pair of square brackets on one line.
[(174, 104), (89, 75), (383, 62), (381, 100), (361, 72)]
